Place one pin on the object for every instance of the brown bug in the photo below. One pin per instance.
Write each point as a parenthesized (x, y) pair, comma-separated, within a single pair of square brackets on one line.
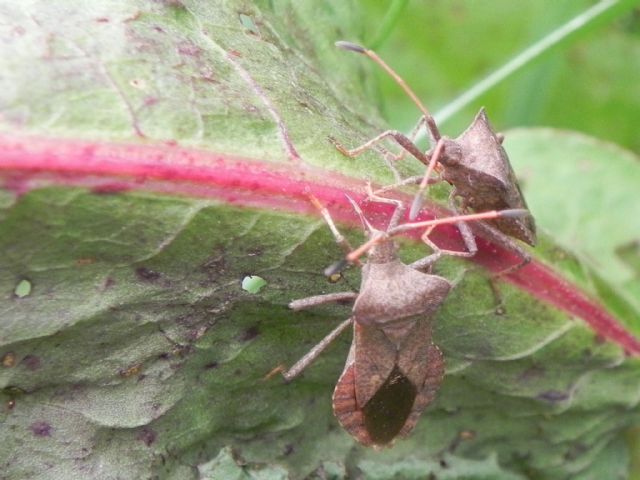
[(393, 369), (475, 164)]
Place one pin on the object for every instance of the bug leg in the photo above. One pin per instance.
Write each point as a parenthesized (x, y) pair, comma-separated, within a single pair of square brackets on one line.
[(315, 300), (400, 138), (422, 122), (467, 237), (499, 238), (311, 355), (399, 204), (414, 180), (424, 264)]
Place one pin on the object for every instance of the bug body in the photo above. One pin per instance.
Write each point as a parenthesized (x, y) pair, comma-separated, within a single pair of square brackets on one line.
[(477, 166), (474, 163), (393, 370)]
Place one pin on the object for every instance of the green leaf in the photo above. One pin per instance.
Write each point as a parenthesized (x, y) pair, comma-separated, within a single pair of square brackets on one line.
[(137, 352), (582, 191)]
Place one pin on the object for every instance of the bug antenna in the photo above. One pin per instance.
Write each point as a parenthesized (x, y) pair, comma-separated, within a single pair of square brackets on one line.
[(353, 47), (365, 223), (472, 217), (428, 118), (514, 213)]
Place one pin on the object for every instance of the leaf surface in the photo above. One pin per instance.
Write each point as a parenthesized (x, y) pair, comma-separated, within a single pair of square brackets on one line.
[(154, 155)]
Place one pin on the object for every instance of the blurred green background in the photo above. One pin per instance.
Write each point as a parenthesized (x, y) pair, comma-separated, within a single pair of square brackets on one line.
[(589, 82)]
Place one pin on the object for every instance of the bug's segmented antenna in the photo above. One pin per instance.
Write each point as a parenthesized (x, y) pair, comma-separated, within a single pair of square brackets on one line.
[(430, 122), (472, 217), (354, 255)]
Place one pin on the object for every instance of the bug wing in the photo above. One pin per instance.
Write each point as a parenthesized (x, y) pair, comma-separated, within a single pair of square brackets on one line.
[(345, 404), (375, 357), (433, 374), (393, 406)]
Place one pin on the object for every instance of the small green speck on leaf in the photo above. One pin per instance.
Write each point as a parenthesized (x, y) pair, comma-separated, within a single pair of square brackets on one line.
[(248, 23), (253, 283), (22, 289)]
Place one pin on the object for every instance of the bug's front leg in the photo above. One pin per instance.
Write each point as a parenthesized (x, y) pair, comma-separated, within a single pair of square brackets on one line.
[(399, 137), (315, 300)]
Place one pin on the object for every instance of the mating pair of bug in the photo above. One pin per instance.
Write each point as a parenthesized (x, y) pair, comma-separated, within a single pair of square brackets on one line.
[(393, 370)]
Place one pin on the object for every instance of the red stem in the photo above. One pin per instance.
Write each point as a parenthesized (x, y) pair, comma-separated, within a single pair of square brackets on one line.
[(30, 162)]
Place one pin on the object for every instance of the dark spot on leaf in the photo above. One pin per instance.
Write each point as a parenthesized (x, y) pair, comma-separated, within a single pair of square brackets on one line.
[(553, 396), (109, 282), (250, 333), (575, 451), (8, 360), (130, 371), (102, 20), (147, 274), (443, 463), (211, 365), (81, 262), (189, 49), (41, 429), (288, 449), (13, 391), (147, 436), (255, 252), (630, 255), (467, 435), (149, 101), (110, 188), (215, 265), (534, 372), (31, 362), (463, 436), (11, 404)]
